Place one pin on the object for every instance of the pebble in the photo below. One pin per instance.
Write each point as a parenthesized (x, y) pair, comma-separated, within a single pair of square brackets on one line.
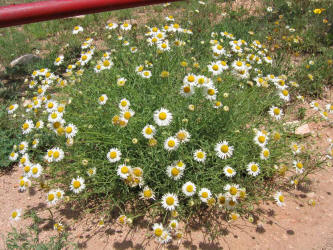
[(303, 130)]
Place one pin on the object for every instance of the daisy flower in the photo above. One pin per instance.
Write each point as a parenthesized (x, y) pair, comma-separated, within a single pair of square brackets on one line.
[(13, 156), (124, 171), (253, 169), (147, 193), (199, 155), (217, 105), (210, 92), (174, 173), (261, 139), (231, 204), (169, 201), (204, 194), (268, 59), (24, 160), (107, 64), (183, 136), (111, 26), (180, 165), (223, 150), (158, 230), (149, 131), (162, 117), (36, 170), (299, 167), (59, 60), (146, 74), (221, 200), (127, 114), (218, 49), (171, 143), (215, 68), (163, 45), (26, 170), (58, 154), (125, 26), (102, 99), (275, 112), (186, 90), (27, 127), (124, 104), (77, 29), (70, 130), (11, 109), (238, 65), (314, 105), (23, 147), (189, 189), (264, 154), (51, 198), (24, 183), (324, 114), (114, 155), (133, 49), (229, 171), (91, 171), (190, 79), (295, 148), (232, 191), (284, 95), (173, 224), (121, 81), (77, 185), (55, 116), (329, 108), (98, 68), (279, 198), (15, 215), (165, 238)]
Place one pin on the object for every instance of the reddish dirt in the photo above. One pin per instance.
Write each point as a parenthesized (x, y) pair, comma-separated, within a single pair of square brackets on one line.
[(298, 225)]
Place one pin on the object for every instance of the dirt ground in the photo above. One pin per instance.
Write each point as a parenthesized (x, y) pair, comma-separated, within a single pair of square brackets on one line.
[(298, 225)]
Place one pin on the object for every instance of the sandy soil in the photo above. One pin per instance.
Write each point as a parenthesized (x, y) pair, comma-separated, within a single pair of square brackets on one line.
[(296, 226)]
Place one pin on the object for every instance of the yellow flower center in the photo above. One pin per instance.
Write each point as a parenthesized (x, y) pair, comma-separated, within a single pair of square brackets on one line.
[(23, 160), (254, 168), (158, 232), (171, 143), (261, 139), (125, 24), (147, 193), (101, 98), (12, 154), (222, 199), (224, 148), (230, 171), (34, 170), (281, 198), (11, 107), (181, 136), (187, 89), (54, 115), (285, 92), (50, 197), (113, 155), (14, 214), (276, 111), (163, 45), (191, 78), (277, 136), (123, 103), (56, 154), (189, 188), (175, 172), (56, 125), (21, 146), (266, 153), (22, 183), (148, 131), (137, 172), (124, 170), (76, 184), (200, 155), (106, 63), (239, 64), (170, 201), (25, 126), (84, 57), (201, 80), (211, 92), (204, 195), (69, 130), (76, 27), (127, 115), (26, 169), (162, 116), (299, 165), (154, 39), (233, 190), (215, 67)]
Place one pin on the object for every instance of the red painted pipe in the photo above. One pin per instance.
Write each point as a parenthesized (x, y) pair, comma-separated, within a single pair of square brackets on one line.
[(17, 14)]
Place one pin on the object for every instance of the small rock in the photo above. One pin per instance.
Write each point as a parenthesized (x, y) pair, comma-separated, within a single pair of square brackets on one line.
[(310, 195), (303, 130), (24, 59)]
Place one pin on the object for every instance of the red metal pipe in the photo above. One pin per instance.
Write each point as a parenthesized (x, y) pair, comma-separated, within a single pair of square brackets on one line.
[(17, 14)]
